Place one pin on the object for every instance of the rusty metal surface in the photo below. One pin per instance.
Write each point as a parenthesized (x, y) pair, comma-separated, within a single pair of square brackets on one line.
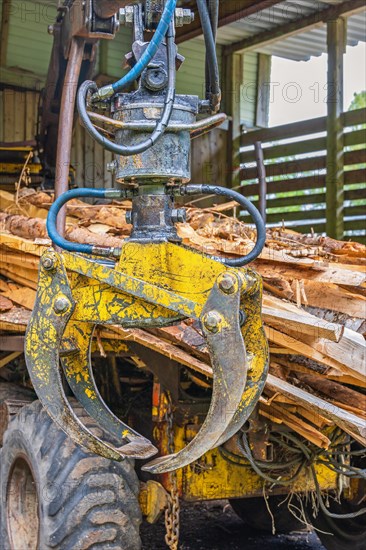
[(148, 292), (169, 158), (52, 311), (107, 8), (79, 375), (220, 325), (64, 138), (152, 218), (257, 353)]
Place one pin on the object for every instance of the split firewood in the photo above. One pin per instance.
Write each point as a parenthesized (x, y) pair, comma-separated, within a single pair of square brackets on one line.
[(334, 391), (5, 303), (348, 422), (314, 306)]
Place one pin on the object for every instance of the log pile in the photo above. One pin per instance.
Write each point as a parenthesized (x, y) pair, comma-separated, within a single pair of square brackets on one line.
[(314, 305)]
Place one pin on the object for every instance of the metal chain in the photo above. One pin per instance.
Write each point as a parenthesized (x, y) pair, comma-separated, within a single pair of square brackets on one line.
[(173, 509)]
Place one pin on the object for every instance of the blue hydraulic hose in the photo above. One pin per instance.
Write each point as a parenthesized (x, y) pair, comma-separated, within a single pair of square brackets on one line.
[(55, 209), (152, 48)]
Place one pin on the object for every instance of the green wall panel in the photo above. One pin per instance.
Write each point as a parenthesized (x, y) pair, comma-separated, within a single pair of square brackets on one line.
[(29, 44), (29, 47), (248, 96)]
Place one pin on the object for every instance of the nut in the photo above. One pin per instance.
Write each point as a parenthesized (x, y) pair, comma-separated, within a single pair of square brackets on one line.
[(48, 261), (188, 17), (179, 215), (62, 304), (227, 283), (212, 321), (126, 16), (183, 17), (128, 216), (155, 78), (111, 166)]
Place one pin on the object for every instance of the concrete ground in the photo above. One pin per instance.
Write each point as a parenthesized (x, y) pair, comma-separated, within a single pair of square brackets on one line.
[(216, 527)]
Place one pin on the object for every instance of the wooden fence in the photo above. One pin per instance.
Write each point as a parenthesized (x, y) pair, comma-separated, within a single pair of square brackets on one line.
[(295, 163)]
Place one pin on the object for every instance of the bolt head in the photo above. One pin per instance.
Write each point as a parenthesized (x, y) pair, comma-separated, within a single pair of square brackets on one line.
[(48, 261), (212, 321), (227, 283), (179, 17), (183, 17), (111, 166), (179, 215), (126, 16), (50, 29), (62, 304), (155, 78), (122, 16), (188, 17)]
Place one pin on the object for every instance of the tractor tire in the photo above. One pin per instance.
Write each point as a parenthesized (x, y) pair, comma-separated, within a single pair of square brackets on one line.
[(12, 391), (254, 513), (54, 495)]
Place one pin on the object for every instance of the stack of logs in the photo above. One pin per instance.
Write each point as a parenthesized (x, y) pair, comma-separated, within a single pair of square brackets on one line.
[(313, 307)]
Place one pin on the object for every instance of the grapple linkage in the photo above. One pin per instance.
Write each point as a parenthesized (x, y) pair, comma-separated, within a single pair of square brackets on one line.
[(61, 330)]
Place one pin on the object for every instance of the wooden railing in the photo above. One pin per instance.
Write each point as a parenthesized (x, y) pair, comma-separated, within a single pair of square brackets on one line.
[(295, 163)]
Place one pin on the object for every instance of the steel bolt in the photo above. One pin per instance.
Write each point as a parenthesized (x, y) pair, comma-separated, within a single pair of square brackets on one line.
[(126, 16), (179, 215), (212, 321), (48, 262), (183, 17), (62, 304), (188, 17), (128, 216), (111, 166), (242, 317), (227, 283), (155, 78)]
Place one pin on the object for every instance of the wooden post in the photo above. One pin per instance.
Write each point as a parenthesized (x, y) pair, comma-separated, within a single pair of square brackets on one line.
[(335, 141), (6, 8), (232, 80), (263, 92), (262, 182)]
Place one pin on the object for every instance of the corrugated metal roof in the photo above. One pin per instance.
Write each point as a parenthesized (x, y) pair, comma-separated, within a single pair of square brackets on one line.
[(299, 47)]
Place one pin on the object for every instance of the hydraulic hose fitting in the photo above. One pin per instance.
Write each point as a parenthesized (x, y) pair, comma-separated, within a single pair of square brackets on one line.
[(55, 208), (103, 93)]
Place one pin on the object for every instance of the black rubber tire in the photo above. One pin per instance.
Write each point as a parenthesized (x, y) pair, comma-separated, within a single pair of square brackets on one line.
[(12, 391), (340, 534), (84, 501), (254, 513)]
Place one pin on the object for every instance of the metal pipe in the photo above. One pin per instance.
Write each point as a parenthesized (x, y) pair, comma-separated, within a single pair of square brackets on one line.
[(261, 180), (205, 124), (65, 126)]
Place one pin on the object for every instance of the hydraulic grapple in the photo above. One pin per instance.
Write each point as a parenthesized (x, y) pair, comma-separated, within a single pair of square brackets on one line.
[(153, 280)]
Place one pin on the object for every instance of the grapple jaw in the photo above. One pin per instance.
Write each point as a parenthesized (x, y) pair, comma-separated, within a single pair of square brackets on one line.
[(53, 309), (60, 333)]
